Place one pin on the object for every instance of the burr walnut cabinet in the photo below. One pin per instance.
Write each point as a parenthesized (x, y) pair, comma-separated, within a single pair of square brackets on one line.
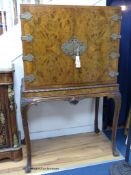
[(9, 135), (69, 53)]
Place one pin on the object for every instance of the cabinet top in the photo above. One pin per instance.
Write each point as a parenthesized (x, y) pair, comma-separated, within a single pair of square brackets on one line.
[(7, 70)]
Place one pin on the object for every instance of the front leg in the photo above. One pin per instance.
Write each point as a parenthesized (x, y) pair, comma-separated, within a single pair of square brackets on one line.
[(27, 137), (117, 102)]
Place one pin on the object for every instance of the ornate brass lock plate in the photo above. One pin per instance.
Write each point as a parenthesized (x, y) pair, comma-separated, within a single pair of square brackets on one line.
[(72, 46)]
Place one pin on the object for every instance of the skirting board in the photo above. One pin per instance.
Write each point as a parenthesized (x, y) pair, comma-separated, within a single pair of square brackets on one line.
[(61, 132)]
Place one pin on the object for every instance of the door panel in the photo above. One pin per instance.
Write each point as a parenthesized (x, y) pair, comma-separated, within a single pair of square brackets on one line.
[(50, 27), (95, 27)]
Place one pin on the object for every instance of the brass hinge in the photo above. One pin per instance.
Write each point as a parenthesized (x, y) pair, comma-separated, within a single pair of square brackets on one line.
[(115, 36), (117, 17), (26, 15), (114, 55), (113, 74), (28, 57), (27, 38), (29, 78)]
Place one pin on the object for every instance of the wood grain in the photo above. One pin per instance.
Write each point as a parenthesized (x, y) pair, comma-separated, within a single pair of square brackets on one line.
[(90, 91), (6, 78), (63, 153), (51, 26)]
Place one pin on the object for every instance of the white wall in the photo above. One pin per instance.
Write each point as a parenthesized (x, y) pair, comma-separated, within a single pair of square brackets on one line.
[(76, 2), (10, 46), (52, 118)]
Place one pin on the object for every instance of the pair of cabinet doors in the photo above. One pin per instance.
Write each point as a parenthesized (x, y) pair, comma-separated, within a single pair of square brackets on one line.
[(54, 37)]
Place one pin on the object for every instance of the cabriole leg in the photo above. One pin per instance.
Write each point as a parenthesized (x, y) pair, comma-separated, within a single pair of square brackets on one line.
[(117, 101), (27, 138)]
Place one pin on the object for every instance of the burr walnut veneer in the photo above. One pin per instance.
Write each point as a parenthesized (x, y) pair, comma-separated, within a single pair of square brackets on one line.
[(69, 53)]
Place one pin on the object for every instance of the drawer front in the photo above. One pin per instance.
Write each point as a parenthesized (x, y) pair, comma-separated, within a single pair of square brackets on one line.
[(46, 30), (6, 78)]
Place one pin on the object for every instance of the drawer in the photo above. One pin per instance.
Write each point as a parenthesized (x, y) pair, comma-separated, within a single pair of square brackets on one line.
[(6, 77)]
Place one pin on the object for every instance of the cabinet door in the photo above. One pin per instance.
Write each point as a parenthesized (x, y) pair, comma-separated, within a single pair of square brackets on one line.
[(94, 26), (4, 118), (49, 26)]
